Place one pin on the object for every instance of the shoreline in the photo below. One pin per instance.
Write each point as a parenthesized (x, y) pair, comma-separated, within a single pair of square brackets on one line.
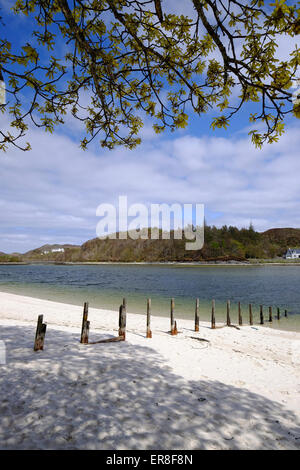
[(165, 316), (149, 263), (289, 325), (51, 305)]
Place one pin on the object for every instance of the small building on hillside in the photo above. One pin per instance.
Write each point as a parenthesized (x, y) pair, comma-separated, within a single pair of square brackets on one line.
[(292, 253), (54, 250)]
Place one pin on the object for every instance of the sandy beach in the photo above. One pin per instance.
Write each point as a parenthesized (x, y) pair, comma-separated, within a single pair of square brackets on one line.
[(239, 389)]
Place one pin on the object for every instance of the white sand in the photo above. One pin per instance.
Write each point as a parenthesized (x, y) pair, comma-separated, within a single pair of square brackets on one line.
[(239, 391)]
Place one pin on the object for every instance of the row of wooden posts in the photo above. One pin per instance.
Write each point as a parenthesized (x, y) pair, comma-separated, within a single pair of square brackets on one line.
[(240, 318), (84, 338)]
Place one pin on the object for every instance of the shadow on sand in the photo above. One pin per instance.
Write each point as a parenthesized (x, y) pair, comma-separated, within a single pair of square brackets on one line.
[(120, 396)]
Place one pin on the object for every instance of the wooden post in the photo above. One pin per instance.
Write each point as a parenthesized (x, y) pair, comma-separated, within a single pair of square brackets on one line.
[(122, 321), (172, 317), (85, 333), (261, 314), (278, 313), (197, 315), (124, 304), (285, 313), (228, 313), (40, 334), (240, 314), (149, 332), (270, 314), (250, 314), (213, 318), (84, 339)]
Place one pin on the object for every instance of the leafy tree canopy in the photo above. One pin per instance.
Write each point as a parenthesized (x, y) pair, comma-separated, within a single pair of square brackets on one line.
[(124, 60)]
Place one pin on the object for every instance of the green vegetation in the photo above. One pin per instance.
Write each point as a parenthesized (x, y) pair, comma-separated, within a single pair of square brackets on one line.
[(125, 55), (4, 258)]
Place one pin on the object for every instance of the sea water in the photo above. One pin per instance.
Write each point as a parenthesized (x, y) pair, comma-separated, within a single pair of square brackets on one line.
[(105, 285)]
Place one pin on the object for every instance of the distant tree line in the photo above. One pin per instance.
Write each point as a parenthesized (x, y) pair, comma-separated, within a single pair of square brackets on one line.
[(225, 243)]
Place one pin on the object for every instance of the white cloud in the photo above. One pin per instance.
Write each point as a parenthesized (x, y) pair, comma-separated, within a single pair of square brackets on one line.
[(51, 193)]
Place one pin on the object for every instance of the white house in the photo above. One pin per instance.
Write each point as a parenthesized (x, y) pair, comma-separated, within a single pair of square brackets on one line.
[(292, 253), (54, 250)]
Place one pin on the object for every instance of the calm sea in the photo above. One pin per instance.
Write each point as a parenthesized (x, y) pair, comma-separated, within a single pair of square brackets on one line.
[(104, 286)]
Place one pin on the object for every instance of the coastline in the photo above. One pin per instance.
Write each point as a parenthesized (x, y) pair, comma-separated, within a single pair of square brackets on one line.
[(239, 389)]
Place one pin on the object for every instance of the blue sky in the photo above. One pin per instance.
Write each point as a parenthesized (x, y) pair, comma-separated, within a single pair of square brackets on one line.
[(50, 195)]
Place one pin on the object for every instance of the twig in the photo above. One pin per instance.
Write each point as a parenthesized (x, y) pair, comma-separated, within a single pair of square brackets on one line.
[(200, 339), (109, 340)]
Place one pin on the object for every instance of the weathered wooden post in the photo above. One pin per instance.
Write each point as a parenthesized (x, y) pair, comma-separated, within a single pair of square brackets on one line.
[(270, 314), (124, 307), (40, 334), (173, 331), (261, 314), (278, 313), (122, 321), (250, 314), (197, 315), (228, 313), (149, 332), (240, 314), (213, 318), (84, 339)]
